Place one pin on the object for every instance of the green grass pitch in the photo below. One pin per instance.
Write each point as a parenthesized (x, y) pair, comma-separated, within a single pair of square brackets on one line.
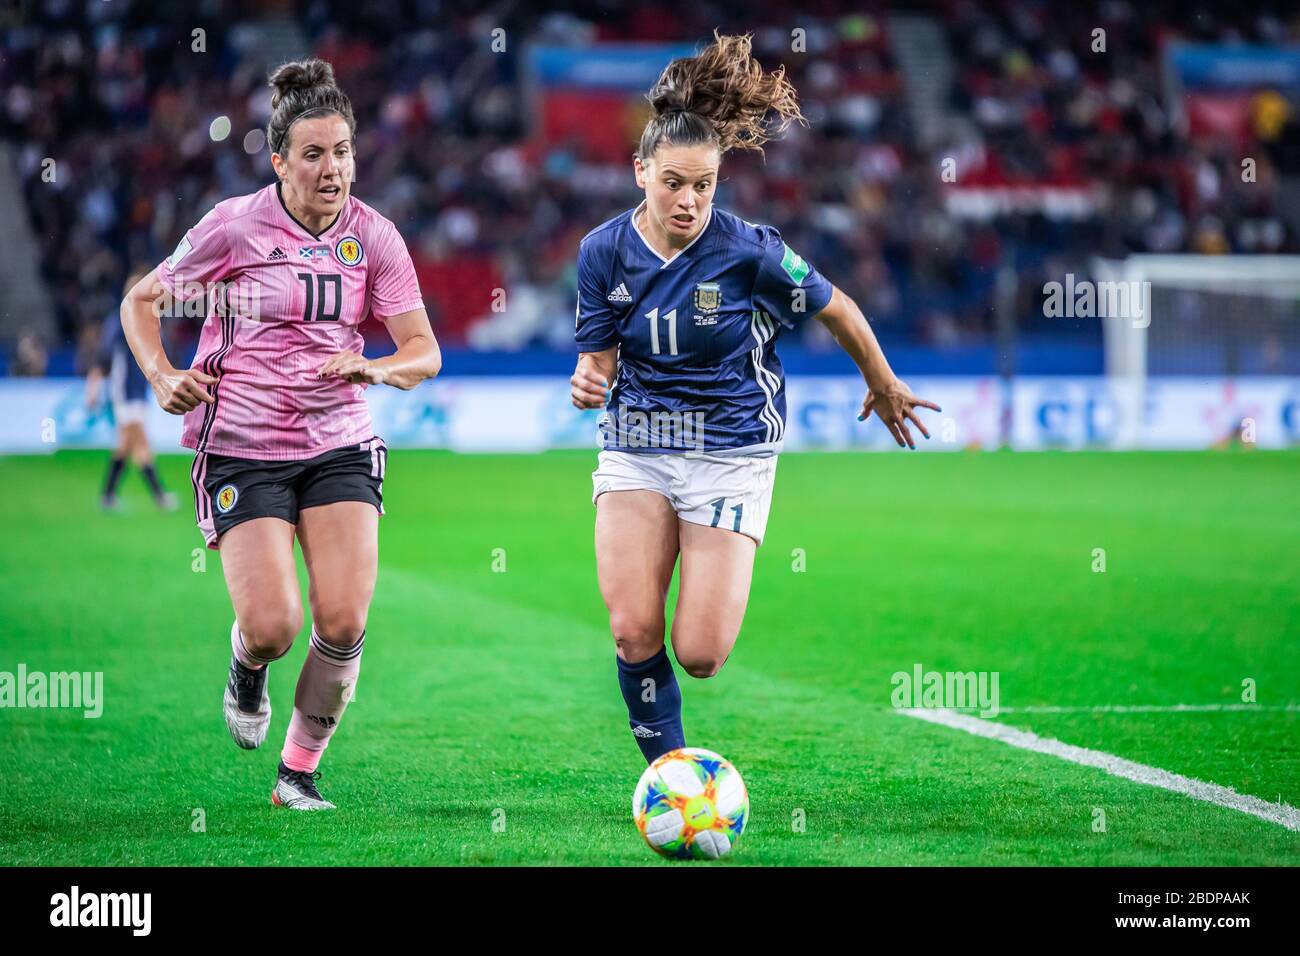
[(490, 698)]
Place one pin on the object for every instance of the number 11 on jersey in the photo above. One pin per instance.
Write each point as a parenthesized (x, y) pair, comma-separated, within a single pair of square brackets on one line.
[(671, 319)]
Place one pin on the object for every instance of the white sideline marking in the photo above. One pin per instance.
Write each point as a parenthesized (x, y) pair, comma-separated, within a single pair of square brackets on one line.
[(1144, 709), (1279, 813)]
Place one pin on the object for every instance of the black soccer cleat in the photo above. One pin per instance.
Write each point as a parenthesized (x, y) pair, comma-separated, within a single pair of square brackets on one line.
[(296, 789)]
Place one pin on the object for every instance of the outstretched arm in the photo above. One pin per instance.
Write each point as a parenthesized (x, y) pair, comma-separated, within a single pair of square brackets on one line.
[(887, 396)]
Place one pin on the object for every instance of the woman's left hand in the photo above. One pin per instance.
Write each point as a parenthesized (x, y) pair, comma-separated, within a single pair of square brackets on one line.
[(354, 367), (895, 406)]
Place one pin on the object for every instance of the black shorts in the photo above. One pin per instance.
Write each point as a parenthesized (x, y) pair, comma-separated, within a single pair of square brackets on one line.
[(229, 491)]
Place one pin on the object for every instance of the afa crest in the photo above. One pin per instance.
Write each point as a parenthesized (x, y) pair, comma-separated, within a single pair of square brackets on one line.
[(226, 498), (349, 251), (708, 297)]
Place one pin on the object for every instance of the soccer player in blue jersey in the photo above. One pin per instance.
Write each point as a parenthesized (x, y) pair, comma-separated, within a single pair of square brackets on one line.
[(129, 399), (679, 308)]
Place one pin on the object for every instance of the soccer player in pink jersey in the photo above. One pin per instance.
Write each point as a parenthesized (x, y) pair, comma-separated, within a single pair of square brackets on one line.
[(275, 411)]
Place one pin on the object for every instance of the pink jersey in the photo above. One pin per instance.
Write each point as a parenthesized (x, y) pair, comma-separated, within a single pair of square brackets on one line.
[(281, 302)]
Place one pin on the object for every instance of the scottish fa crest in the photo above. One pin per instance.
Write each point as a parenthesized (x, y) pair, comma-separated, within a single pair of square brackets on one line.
[(708, 299), (348, 251), (226, 498)]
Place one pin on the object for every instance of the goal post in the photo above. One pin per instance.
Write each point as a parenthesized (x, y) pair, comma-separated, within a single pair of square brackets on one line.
[(1199, 316)]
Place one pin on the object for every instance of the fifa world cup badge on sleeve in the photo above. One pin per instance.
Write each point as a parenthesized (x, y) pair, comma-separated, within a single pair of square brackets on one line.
[(180, 252), (795, 267)]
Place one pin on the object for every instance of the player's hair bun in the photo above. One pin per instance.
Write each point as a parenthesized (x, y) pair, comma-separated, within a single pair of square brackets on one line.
[(302, 75), (720, 95), (301, 88), (666, 97)]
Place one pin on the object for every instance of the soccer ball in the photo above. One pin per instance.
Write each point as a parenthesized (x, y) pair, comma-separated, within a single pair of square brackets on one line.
[(690, 804)]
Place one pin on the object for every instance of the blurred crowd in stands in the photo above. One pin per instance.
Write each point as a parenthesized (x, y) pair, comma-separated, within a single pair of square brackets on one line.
[(123, 96)]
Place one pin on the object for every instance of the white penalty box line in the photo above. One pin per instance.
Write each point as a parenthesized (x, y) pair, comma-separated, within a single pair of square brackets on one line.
[(1280, 813)]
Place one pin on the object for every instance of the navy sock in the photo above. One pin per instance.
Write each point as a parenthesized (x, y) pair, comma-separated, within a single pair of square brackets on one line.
[(115, 468), (151, 476), (654, 704)]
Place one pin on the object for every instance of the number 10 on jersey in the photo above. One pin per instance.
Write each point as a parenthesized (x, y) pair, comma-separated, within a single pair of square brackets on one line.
[(671, 319)]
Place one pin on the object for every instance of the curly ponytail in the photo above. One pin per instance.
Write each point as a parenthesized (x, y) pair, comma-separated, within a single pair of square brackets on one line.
[(721, 95), (304, 88)]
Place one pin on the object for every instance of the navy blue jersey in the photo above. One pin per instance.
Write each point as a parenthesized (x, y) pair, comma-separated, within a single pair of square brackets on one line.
[(696, 334), (126, 383)]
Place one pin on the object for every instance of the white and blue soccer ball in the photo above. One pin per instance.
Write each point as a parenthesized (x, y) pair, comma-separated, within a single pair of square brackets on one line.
[(691, 804)]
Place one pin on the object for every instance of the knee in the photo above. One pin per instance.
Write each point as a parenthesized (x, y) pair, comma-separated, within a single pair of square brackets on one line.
[(701, 664), (638, 637), (269, 632), (341, 626), (701, 650)]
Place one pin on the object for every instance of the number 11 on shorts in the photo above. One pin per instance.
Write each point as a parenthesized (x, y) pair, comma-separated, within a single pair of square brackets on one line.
[(718, 505)]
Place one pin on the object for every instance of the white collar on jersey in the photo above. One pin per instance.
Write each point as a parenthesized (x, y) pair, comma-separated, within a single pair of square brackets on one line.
[(676, 255)]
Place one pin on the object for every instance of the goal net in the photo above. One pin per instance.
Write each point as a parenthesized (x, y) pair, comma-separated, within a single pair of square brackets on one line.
[(1207, 317)]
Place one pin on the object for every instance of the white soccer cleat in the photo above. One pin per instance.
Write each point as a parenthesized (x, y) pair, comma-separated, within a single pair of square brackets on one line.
[(296, 789), (247, 705)]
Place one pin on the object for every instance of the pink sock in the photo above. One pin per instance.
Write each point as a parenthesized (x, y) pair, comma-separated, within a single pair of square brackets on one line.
[(325, 686), (242, 653)]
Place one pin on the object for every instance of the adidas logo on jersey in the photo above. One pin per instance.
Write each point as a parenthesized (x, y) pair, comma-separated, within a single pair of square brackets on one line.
[(277, 255), (641, 731), (620, 294)]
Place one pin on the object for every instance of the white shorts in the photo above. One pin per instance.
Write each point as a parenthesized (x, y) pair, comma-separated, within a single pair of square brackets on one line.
[(713, 490), (130, 413)]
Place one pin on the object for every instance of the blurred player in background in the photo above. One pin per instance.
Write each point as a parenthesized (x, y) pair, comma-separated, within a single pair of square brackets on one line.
[(679, 308), (274, 408), (128, 393)]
